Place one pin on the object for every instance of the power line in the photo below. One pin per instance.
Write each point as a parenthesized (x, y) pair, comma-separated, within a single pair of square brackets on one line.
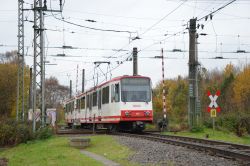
[(210, 14), (121, 25), (97, 29), (127, 31), (148, 29), (109, 15), (226, 14), (160, 41)]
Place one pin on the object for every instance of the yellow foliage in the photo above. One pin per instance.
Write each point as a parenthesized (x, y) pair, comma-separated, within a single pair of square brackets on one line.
[(242, 88), (176, 99), (229, 69), (8, 89)]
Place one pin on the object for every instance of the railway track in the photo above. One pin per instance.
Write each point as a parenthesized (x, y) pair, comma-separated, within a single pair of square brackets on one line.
[(218, 148)]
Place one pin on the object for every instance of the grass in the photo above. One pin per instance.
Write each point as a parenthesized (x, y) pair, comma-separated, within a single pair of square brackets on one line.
[(57, 152), (108, 147), (216, 135), (54, 151)]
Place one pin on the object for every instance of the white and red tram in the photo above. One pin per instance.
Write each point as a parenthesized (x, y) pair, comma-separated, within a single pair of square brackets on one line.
[(124, 102)]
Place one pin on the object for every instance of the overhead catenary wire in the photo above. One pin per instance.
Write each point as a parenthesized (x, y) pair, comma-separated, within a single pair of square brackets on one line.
[(156, 23), (126, 54), (161, 20), (222, 7), (92, 28), (148, 29), (214, 3)]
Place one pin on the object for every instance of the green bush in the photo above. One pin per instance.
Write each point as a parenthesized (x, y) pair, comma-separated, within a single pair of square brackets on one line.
[(237, 122), (44, 133), (12, 132), (24, 133), (208, 123), (6, 135)]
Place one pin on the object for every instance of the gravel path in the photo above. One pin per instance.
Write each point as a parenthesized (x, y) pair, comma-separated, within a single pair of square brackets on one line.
[(156, 153), (99, 158)]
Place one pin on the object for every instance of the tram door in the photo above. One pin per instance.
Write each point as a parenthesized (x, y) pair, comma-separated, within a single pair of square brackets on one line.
[(90, 105), (99, 100), (87, 115), (99, 104)]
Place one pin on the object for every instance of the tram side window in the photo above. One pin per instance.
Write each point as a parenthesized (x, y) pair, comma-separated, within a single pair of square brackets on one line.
[(67, 108), (90, 101), (87, 101), (117, 93), (99, 99), (83, 102), (94, 99), (105, 95), (112, 93), (78, 104), (72, 106)]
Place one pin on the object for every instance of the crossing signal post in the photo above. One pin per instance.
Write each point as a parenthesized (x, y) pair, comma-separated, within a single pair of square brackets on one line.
[(213, 107)]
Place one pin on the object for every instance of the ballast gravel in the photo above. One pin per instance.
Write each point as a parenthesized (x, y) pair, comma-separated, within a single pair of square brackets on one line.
[(157, 153)]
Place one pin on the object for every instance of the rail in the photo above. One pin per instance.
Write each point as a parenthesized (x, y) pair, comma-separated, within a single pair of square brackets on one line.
[(219, 148)]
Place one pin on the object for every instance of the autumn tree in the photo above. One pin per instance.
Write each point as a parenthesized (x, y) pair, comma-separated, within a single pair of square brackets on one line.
[(226, 98), (8, 84), (241, 89), (55, 93), (176, 101), (8, 81), (234, 100)]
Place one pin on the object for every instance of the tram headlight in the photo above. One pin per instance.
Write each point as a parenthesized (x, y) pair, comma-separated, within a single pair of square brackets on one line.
[(126, 113), (147, 113)]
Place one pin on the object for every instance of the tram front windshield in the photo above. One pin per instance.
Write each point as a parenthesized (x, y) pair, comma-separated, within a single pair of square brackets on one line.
[(135, 90)]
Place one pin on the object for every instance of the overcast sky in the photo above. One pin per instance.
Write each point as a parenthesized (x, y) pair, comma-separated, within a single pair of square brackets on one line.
[(154, 21)]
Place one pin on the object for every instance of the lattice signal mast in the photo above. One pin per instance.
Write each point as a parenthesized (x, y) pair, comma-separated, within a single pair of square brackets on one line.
[(20, 55), (38, 71), (38, 63)]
